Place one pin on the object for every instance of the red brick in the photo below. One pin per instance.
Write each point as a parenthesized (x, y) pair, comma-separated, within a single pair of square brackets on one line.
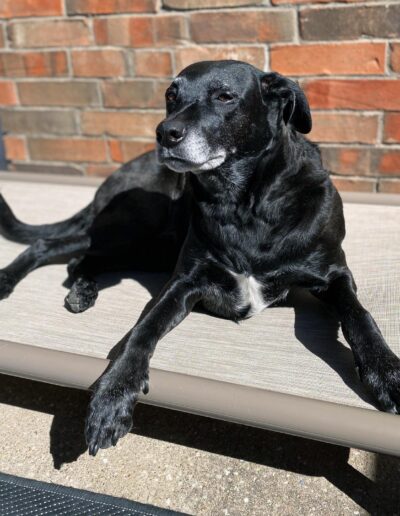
[(354, 185), (100, 170), (15, 148), (143, 31), (395, 57), (33, 64), (38, 121), (353, 94), (152, 63), (66, 93), (112, 123), (169, 30), (72, 170), (135, 93), (17, 8), (389, 162), (350, 22), (115, 150), (242, 26), (63, 149), (46, 64), (358, 161), (295, 2), (110, 6), (98, 63), (392, 128), (123, 151), (345, 128), (333, 58), (389, 186), (112, 31), (8, 96), (117, 31), (353, 161), (186, 56), (46, 33), (208, 4)]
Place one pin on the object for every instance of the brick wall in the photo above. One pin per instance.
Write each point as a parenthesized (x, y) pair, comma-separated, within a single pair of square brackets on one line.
[(82, 81)]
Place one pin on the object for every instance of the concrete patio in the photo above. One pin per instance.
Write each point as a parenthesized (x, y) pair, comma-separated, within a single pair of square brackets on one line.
[(190, 463)]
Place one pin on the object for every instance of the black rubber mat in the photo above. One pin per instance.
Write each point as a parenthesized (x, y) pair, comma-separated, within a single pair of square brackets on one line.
[(23, 497)]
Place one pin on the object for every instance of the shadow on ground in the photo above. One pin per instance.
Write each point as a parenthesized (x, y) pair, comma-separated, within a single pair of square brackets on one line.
[(380, 497)]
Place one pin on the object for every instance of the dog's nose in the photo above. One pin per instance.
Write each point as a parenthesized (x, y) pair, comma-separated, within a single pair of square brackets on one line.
[(170, 134)]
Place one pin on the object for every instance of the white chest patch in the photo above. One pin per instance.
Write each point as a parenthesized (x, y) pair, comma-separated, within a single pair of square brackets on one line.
[(251, 293)]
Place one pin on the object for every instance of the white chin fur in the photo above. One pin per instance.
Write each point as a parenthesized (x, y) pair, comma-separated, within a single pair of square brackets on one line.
[(212, 163), (187, 166), (194, 154)]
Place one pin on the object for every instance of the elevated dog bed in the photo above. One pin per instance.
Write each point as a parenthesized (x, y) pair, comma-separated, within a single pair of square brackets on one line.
[(286, 369)]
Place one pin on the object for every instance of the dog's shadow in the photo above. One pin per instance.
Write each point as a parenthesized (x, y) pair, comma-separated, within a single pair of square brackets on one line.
[(317, 328), (153, 281)]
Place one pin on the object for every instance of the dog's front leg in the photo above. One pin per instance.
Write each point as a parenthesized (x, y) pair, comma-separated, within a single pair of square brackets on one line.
[(117, 390), (378, 366)]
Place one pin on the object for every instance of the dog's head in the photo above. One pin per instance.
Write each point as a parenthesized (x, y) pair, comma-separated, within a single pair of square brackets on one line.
[(222, 110)]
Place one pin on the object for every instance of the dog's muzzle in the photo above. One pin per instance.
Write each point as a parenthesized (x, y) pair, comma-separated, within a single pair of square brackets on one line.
[(185, 150)]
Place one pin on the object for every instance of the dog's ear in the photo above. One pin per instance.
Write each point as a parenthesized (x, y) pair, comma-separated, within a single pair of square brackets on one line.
[(295, 108)]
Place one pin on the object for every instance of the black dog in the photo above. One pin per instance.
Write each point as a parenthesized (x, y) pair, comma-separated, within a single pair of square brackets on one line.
[(241, 209)]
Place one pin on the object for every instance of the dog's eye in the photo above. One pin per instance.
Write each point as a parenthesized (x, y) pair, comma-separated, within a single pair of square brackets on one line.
[(225, 97), (170, 96)]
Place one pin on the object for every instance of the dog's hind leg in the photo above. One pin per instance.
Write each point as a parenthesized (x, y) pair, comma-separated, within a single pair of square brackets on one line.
[(42, 252), (84, 290), (14, 229)]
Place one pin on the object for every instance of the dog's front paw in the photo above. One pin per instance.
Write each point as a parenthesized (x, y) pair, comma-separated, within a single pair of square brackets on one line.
[(110, 411), (109, 419), (382, 378), (7, 284)]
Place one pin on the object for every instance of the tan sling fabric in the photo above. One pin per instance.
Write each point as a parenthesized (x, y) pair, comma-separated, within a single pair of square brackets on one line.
[(285, 349)]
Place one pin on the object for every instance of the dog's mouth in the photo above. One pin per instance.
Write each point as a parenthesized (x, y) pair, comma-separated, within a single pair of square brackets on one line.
[(182, 164)]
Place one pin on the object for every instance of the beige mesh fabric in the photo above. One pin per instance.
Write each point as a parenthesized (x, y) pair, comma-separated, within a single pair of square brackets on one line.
[(285, 349)]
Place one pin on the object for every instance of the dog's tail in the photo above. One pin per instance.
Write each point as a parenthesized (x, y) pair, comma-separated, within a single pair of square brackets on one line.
[(14, 229)]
